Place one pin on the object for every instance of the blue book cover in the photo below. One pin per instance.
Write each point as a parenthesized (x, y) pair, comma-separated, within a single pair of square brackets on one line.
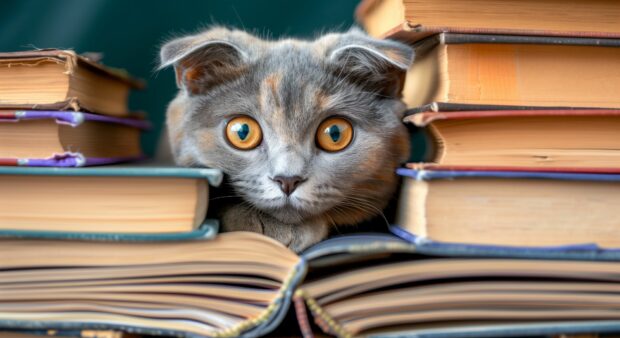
[(428, 175)]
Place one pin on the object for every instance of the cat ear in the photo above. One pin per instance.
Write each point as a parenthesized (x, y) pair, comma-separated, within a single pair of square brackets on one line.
[(204, 60), (377, 65)]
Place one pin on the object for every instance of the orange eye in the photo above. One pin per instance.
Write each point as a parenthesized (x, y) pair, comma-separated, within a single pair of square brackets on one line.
[(334, 134), (243, 133)]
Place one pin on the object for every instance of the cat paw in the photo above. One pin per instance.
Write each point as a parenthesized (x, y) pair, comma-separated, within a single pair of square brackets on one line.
[(307, 234), (238, 217), (296, 237)]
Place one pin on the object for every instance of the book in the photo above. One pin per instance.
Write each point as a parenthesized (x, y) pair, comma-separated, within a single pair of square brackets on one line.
[(105, 202), (456, 290), (543, 140), (415, 19), (242, 284), (65, 138), (53, 79), (519, 208), (502, 70), (234, 283)]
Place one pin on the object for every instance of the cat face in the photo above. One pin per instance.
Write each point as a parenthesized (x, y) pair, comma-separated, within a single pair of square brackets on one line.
[(303, 129)]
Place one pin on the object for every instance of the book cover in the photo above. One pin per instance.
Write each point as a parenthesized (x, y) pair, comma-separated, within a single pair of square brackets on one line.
[(147, 169)]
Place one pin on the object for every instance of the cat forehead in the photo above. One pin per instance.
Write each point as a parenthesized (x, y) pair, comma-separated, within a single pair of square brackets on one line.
[(290, 57), (291, 75)]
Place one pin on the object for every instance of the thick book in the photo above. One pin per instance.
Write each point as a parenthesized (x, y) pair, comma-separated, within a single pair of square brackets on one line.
[(67, 139), (380, 287), (242, 284), (503, 70), (234, 283), (544, 140), (113, 202), (518, 208), (411, 20), (55, 79)]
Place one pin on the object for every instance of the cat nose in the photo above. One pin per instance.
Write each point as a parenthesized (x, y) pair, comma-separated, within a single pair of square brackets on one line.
[(288, 184)]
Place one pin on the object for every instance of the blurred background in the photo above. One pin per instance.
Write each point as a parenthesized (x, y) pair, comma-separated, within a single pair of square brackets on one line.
[(128, 33)]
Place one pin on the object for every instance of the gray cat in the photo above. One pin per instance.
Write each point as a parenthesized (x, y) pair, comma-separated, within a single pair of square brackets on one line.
[(309, 132)]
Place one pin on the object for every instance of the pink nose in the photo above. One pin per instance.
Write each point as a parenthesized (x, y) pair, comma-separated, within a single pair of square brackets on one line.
[(288, 184)]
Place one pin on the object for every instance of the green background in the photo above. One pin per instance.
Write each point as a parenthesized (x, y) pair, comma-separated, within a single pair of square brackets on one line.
[(129, 33)]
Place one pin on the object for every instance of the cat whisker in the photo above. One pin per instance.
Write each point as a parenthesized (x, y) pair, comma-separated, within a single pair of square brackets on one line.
[(364, 205)]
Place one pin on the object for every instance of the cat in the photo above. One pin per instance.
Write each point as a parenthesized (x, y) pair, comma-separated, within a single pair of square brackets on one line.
[(309, 133)]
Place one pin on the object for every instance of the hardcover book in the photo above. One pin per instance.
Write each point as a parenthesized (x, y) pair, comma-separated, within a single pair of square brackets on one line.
[(55, 79), (235, 283), (112, 202), (411, 20), (67, 139), (375, 286), (574, 140), (518, 208), (503, 70)]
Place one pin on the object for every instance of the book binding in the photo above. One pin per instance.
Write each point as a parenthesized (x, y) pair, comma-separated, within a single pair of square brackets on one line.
[(455, 174), (207, 230)]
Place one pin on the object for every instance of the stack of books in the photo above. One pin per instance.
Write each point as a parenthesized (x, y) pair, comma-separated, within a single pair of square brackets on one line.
[(512, 223), (61, 109), (523, 109), (67, 208)]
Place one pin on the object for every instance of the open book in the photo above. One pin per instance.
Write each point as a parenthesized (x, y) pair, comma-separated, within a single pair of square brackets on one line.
[(242, 284)]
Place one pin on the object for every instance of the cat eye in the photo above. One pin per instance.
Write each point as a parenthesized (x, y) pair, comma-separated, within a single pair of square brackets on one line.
[(334, 134), (243, 132)]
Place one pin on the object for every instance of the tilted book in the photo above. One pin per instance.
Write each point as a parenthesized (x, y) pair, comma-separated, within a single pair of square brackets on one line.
[(144, 202), (412, 20), (53, 79), (578, 140), (67, 139)]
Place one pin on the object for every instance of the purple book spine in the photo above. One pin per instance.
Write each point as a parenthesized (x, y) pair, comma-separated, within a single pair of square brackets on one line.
[(74, 119)]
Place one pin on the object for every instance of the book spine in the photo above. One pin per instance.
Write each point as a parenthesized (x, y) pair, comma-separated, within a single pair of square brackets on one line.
[(68, 159)]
